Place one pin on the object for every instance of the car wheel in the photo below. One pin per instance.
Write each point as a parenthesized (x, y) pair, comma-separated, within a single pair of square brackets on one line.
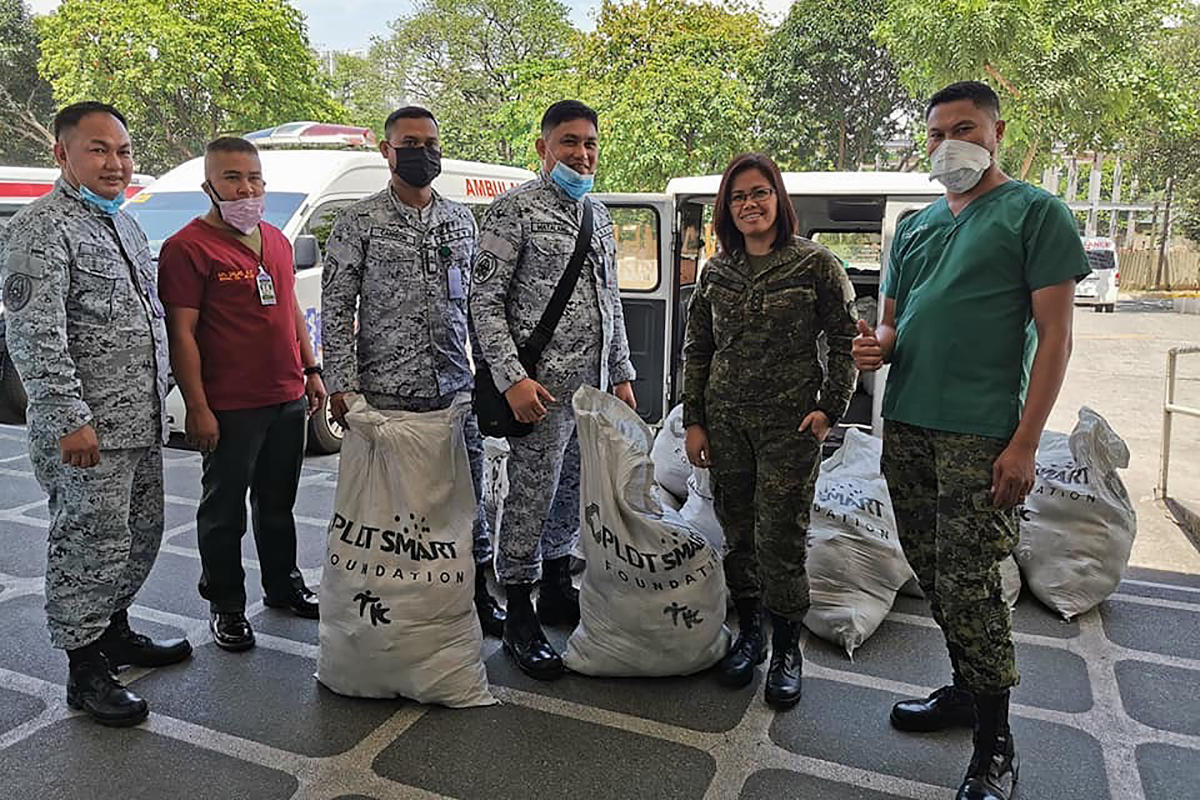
[(12, 393), (324, 433)]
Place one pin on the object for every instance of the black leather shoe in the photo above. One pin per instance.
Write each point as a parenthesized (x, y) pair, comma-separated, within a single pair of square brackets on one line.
[(92, 688), (124, 648), (749, 650), (302, 602), (992, 774), (948, 707), (231, 631), (524, 639), (558, 599), (491, 615), (783, 677)]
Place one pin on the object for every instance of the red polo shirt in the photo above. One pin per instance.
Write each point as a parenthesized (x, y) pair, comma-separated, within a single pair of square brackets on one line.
[(249, 354)]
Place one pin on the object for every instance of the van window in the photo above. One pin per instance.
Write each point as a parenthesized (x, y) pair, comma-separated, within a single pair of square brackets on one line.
[(320, 222), (162, 214), (635, 229), (1101, 259), (857, 249)]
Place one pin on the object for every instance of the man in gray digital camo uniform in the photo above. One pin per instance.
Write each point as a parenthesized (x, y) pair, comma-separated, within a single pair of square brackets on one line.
[(526, 242), (86, 332), (402, 258)]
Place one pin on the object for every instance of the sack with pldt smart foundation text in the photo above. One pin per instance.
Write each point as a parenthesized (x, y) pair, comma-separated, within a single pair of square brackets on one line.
[(855, 565), (1078, 523), (397, 618), (671, 466), (652, 598)]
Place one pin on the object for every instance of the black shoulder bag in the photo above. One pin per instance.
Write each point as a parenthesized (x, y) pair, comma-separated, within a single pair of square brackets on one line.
[(495, 415)]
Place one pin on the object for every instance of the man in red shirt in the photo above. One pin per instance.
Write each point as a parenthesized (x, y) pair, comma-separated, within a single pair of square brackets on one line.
[(243, 360)]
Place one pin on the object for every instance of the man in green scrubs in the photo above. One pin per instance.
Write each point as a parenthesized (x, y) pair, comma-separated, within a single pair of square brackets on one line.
[(976, 325)]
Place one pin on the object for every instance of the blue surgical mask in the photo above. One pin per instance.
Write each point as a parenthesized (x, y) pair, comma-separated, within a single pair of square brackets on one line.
[(110, 207), (570, 181)]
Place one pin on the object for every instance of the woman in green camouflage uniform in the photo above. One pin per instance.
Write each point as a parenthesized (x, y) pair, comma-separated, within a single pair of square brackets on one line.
[(757, 405)]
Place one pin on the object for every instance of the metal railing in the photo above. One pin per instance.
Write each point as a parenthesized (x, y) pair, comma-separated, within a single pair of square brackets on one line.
[(1170, 408)]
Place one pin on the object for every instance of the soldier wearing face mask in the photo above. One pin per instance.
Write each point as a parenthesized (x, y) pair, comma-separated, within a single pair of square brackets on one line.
[(976, 325), (85, 330), (401, 260), (244, 363)]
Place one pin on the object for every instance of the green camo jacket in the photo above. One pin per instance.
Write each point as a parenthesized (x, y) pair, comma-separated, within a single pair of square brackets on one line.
[(752, 339)]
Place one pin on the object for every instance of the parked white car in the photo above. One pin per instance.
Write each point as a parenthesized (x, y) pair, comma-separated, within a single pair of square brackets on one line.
[(1099, 290)]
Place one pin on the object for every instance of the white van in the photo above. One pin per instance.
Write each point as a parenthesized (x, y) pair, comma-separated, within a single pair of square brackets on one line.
[(20, 186), (1099, 289), (306, 187), (663, 241)]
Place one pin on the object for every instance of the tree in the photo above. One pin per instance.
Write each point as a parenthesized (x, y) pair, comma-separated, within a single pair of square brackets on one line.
[(671, 80), (185, 71), (26, 102), (1067, 73), (363, 87), (463, 60), (831, 96)]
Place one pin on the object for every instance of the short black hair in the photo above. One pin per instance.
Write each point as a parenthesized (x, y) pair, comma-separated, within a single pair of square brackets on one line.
[(230, 144), (408, 112), (70, 117), (566, 111), (977, 92)]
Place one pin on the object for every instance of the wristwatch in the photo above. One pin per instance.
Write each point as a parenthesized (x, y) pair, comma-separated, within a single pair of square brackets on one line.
[(315, 369)]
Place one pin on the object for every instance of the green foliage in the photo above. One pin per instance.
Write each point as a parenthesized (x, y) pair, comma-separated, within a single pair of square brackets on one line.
[(1072, 73), (672, 81), (26, 102), (185, 71), (830, 96)]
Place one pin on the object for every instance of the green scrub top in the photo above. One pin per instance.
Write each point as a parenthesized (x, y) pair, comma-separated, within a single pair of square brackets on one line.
[(965, 336)]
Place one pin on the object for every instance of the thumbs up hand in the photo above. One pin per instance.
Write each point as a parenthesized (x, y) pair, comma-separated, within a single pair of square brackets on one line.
[(865, 349)]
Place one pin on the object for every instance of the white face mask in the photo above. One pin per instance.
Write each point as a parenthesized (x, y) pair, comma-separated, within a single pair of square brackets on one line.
[(959, 165)]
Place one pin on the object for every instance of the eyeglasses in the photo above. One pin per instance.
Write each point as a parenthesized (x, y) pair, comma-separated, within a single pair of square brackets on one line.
[(757, 195)]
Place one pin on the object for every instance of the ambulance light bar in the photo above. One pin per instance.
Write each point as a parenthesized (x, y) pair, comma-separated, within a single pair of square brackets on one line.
[(296, 135)]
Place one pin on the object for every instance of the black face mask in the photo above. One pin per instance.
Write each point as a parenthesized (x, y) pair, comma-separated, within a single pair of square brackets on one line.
[(417, 166)]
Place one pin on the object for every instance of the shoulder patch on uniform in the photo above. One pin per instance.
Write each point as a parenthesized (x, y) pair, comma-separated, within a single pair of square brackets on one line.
[(496, 245), (32, 263), (485, 267), (17, 291)]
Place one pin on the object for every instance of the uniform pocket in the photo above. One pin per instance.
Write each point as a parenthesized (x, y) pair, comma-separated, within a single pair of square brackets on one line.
[(90, 299), (552, 245), (728, 317)]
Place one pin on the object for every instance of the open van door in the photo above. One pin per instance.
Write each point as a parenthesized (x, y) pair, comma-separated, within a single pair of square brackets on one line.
[(644, 228)]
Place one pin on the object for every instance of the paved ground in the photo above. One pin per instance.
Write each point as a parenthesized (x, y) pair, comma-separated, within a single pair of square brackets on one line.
[(1107, 708)]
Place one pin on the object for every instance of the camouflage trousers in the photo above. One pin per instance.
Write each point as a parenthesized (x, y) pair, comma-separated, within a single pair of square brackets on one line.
[(955, 539), (541, 514), (106, 524), (764, 474)]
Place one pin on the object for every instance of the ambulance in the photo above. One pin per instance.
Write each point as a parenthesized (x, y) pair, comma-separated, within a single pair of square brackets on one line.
[(1100, 289), (663, 241), (312, 171)]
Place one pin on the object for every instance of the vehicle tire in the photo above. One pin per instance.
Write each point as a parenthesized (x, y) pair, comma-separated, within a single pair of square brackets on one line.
[(12, 393), (1112, 307), (1098, 308), (324, 434)]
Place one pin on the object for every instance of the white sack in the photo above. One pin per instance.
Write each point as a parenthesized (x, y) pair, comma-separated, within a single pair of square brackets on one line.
[(652, 598), (855, 564), (397, 618), (671, 466), (699, 513), (1078, 523)]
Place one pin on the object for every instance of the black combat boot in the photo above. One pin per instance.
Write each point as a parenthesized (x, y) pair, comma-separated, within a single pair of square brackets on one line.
[(491, 615), (783, 677), (93, 688), (949, 707), (524, 639), (749, 650), (124, 648), (558, 599), (992, 774)]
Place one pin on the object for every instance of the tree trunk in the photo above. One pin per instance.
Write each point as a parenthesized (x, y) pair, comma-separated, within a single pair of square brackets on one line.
[(1164, 243), (1027, 161), (842, 144), (1000, 79)]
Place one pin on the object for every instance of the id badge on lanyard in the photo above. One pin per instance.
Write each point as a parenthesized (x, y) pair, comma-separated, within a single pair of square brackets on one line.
[(266, 287)]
